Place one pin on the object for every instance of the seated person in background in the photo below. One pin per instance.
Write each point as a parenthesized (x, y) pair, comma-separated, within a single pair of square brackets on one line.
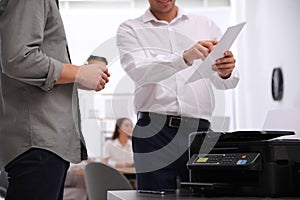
[(117, 151)]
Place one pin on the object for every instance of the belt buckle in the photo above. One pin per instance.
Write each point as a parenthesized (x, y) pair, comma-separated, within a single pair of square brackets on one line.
[(171, 122)]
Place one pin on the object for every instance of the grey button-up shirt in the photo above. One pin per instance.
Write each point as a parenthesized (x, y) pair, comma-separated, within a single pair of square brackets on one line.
[(33, 111)]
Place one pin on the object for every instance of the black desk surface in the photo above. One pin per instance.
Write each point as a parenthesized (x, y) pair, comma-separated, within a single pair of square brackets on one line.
[(134, 195)]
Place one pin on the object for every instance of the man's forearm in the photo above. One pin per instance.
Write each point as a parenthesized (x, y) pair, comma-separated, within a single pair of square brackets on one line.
[(68, 74)]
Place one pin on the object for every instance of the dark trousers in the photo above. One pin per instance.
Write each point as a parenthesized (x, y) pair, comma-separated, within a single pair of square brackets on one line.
[(161, 151), (36, 174)]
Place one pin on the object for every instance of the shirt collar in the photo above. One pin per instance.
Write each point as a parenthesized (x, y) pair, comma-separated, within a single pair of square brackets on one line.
[(148, 16)]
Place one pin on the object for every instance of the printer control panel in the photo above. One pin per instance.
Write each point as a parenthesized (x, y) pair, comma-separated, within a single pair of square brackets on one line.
[(224, 159)]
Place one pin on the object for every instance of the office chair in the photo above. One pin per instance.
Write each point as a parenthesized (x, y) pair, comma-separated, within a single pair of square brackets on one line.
[(3, 184), (100, 178)]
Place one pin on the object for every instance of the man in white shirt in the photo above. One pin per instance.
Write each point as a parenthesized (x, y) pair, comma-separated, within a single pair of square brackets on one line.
[(160, 50)]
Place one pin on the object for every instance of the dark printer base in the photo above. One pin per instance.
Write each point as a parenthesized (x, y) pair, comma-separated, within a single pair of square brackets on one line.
[(245, 166)]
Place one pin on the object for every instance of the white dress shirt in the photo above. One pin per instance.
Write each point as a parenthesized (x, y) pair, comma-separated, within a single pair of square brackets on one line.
[(116, 152), (151, 53)]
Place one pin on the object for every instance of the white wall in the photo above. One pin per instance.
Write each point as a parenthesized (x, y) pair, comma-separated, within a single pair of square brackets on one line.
[(270, 39), (87, 30)]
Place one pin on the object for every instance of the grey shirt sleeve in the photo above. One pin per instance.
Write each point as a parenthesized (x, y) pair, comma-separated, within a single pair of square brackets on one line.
[(22, 36)]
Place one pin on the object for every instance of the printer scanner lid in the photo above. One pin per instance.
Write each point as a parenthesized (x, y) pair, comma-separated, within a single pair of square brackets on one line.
[(254, 135), (245, 135)]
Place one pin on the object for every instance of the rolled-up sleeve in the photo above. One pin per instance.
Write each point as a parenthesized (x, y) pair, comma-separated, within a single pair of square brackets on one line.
[(22, 35)]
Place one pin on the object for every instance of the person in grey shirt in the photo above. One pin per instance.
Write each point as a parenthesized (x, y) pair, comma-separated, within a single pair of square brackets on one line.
[(40, 129)]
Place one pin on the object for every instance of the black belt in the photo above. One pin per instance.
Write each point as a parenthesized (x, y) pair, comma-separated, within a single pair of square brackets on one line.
[(175, 121)]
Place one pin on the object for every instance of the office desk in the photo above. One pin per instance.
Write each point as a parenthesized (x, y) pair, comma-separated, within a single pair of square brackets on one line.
[(127, 170), (129, 173), (134, 195)]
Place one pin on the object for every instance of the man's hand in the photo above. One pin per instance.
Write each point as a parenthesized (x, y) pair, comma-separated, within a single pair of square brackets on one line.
[(199, 51), (93, 76), (224, 66)]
